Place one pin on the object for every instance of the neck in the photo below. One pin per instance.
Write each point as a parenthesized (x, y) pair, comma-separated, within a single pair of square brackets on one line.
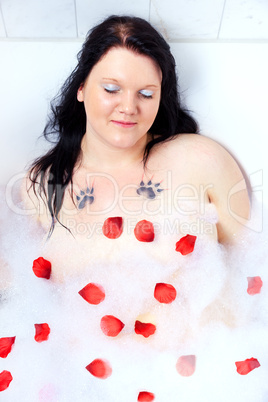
[(101, 156)]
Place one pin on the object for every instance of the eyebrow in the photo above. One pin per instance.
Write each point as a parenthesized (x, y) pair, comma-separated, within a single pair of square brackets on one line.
[(115, 80)]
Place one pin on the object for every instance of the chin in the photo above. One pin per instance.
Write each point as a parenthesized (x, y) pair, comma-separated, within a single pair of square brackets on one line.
[(124, 143)]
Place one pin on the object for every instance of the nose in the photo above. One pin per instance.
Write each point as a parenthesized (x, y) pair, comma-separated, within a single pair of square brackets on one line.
[(128, 104)]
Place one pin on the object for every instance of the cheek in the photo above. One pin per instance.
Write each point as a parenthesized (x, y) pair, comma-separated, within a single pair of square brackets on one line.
[(151, 111), (97, 109), (105, 104)]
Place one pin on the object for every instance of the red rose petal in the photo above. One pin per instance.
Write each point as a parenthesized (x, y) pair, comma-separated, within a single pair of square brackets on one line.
[(42, 332), (254, 285), (186, 244), (247, 366), (111, 326), (186, 365), (6, 345), (113, 227), (93, 293), (100, 368), (165, 293), (144, 231), (42, 268), (145, 329), (145, 396), (5, 380)]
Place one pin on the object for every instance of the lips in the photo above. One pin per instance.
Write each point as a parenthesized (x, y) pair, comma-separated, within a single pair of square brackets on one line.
[(126, 124)]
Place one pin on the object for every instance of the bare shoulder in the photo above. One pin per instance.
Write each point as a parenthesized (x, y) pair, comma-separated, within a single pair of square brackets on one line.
[(196, 145), (202, 154), (207, 162)]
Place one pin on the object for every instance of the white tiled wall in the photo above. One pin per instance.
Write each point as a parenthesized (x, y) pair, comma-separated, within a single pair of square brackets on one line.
[(91, 12), (187, 19), (39, 19), (224, 83), (177, 19), (2, 28), (245, 19)]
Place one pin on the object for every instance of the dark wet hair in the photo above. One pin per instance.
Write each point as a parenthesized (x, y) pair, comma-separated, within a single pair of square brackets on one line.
[(67, 121)]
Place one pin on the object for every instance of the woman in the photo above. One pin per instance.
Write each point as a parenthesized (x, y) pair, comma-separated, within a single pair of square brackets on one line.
[(130, 122), (134, 204)]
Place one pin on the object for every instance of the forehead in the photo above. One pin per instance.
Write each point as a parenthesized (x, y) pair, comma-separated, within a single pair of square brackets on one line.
[(121, 64)]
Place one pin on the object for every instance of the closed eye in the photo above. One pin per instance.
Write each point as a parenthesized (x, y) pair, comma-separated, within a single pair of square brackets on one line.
[(111, 89), (146, 94)]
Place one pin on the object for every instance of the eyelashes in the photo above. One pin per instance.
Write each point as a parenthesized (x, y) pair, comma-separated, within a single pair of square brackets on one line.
[(146, 93), (113, 89)]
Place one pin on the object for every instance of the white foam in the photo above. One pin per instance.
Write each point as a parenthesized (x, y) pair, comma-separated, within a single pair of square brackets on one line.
[(213, 318)]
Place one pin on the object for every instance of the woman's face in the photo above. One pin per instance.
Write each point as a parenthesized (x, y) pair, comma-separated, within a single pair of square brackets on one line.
[(121, 97)]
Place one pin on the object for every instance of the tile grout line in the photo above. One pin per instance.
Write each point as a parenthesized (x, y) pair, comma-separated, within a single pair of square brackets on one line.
[(76, 21), (222, 14), (42, 39), (4, 23), (183, 40), (149, 16)]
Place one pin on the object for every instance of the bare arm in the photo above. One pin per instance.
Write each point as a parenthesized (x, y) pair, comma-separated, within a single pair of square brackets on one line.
[(206, 163), (229, 194), (34, 203)]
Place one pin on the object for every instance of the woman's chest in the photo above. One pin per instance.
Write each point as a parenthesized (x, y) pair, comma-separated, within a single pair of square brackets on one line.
[(131, 216), (124, 245), (132, 195)]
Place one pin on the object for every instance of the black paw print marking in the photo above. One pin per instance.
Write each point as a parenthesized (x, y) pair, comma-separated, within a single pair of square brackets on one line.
[(149, 190), (84, 197)]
